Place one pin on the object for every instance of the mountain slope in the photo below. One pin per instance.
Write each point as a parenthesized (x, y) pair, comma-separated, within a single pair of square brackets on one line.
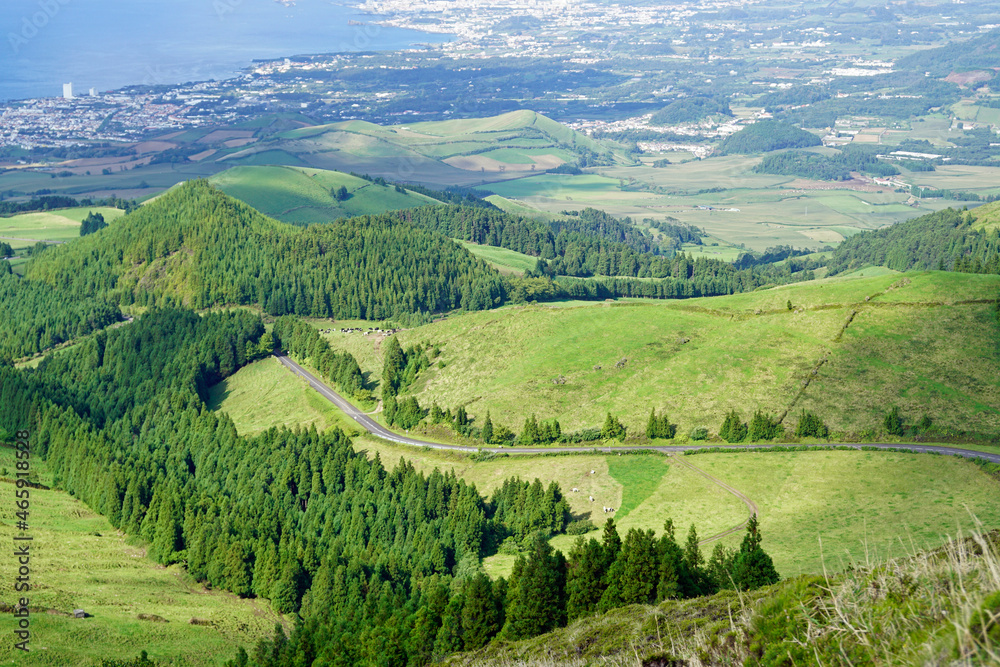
[(198, 246), (947, 239)]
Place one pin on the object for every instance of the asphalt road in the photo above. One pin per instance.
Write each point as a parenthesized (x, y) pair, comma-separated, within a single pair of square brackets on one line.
[(377, 429)]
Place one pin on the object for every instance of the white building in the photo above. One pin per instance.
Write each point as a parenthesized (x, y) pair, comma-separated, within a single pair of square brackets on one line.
[(68, 91)]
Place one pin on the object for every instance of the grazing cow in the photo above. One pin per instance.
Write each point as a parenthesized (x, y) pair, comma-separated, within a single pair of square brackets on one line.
[(592, 499), (576, 490), (591, 472)]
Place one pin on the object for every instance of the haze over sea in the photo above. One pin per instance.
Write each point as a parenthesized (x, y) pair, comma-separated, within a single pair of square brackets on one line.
[(107, 44)]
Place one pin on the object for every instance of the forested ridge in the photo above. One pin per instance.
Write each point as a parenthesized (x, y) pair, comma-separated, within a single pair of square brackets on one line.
[(597, 246), (383, 566), (35, 317), (195, 245), (946, 240)]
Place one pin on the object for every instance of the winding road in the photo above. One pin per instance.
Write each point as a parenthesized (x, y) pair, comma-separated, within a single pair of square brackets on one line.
[(380, 431)]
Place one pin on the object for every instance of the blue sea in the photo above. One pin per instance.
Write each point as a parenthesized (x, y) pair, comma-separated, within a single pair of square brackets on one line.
[(107, 44)]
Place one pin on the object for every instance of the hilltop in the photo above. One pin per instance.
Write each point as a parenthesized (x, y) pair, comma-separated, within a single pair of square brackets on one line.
[(196, 245), (438, 153), (300, 195)]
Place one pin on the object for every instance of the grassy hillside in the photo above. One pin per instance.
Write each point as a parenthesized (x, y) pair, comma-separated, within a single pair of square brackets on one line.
[(904, 611), (81, 561), (260, 396), (926, 342), (452, 152), (803, 497), (300, 195)]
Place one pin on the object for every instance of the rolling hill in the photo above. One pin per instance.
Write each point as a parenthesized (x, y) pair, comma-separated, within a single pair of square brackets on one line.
[(440, 153), (301, 195)]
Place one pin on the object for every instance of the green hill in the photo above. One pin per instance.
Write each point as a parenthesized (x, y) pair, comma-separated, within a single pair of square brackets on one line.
[(847, 350), (948, 239), (301, 195), (201, 247), (767, 135), (439, 153)]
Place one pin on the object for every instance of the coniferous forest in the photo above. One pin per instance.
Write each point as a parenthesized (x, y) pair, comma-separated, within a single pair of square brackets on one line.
[(382, 565)]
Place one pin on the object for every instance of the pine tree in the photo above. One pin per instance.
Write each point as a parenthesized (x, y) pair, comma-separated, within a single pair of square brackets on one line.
[(612, 429), (480, 613), (733, 428), (487, 430), (753, 567), (536, 593)]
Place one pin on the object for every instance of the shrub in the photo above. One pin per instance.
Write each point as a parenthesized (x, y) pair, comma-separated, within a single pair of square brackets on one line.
[(811, 426), (893, 422), (581, 527), (699, 433)]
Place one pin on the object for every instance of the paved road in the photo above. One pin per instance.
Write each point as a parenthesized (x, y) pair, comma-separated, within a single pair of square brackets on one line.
[(377, 429)]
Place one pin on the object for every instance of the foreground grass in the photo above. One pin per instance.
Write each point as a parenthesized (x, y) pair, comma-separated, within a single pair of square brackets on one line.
[(926, 608), (80, 561)]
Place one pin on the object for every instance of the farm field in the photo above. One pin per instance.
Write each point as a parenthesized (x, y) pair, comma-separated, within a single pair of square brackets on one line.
[(744, 352), (114, 583), (60, 225), (886, 502), (755, 210)]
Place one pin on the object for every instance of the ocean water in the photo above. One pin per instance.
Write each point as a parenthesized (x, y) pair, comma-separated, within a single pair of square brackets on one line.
[(106, 44)]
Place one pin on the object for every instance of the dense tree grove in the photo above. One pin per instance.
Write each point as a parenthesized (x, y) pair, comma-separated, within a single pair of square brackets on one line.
[(946, 240), (201, 247), (92, 223), (767, 135), (382, 566), (35, 317), (298, 338)]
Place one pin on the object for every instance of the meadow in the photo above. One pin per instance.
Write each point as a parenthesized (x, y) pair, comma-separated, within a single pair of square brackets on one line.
[(260, 396), (302, 196), (915, 342), (504, 260), (79, 561), (59, 225)]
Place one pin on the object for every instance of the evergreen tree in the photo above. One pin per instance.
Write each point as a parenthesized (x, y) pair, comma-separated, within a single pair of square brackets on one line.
[(481, 613), (612, 429), (536, 593), (893, 422), (487, 429), (733, 428), (753, 567)]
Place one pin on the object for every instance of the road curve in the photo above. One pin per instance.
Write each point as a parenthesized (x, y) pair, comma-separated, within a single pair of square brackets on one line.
[(377, 429)]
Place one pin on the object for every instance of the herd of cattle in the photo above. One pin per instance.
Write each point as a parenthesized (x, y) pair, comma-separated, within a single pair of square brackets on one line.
[(360, 330)]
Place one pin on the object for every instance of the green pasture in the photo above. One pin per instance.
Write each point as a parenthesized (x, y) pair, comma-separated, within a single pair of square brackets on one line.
[(505, 261), (984, 180), (816, 508), (699, 358), (300, 195), (265, 394), (79, 561), (58, 225)]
